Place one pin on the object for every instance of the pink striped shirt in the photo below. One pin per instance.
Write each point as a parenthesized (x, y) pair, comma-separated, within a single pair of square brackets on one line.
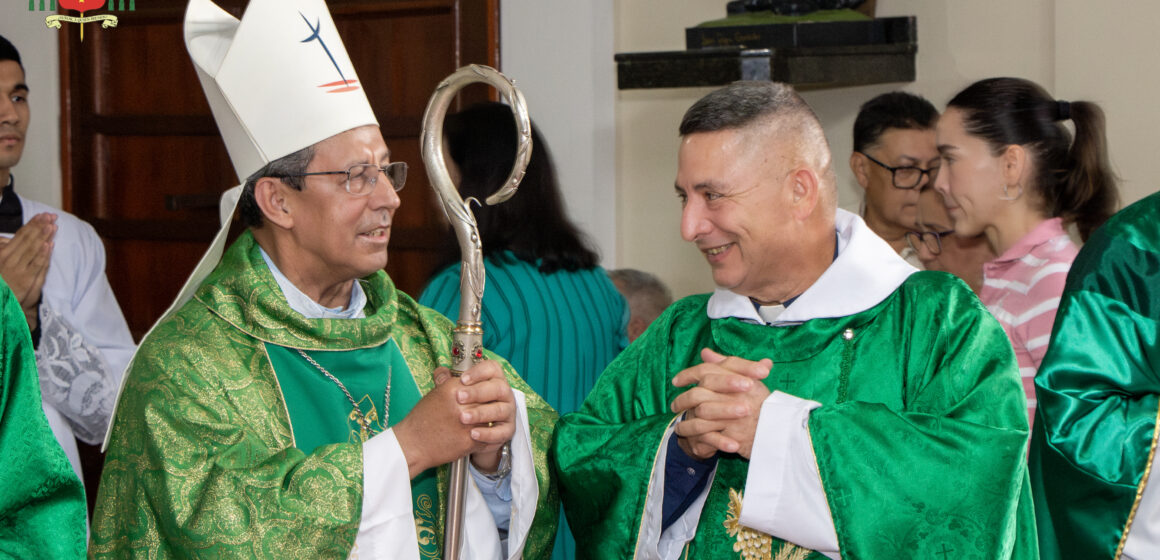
[(1022, 287)]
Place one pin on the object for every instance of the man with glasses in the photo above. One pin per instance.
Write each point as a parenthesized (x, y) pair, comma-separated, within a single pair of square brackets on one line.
[(894, 157), (297, 405), (938, 247)]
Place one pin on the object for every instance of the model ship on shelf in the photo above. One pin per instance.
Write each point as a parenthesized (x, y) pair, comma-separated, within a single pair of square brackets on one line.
[(809, 43)]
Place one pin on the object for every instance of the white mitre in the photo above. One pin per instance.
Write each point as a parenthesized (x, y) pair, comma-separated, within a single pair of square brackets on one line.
[(278, 80)]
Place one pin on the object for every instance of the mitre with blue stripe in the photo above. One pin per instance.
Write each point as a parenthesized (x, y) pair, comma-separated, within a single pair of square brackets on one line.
[(278, 80)]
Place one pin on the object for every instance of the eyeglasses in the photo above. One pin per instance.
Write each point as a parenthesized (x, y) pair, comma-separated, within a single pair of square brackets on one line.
[(931, 240), (361, 178), (905, 177)]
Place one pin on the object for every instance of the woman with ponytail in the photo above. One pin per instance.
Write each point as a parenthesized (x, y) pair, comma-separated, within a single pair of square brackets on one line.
[(1012, 172)]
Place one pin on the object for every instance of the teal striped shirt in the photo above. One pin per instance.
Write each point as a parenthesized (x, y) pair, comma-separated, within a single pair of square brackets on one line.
[(558, 331)]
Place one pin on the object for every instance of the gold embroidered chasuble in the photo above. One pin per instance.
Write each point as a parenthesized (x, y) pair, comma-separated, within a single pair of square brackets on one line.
[(201, 460)]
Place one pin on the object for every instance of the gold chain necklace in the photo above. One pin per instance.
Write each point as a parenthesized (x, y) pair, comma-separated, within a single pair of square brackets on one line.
[(363, 423)]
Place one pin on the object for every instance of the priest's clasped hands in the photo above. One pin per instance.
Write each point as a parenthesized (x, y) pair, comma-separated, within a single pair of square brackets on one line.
[(474, 413), (721, 409)]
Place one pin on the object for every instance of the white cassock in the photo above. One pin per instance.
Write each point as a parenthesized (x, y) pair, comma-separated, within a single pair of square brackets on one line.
[(85, 343)]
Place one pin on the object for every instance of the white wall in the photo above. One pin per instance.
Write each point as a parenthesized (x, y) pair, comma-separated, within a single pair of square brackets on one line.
[(1108, 56), (616, 150), (1100, 55), (559, 53), (38, 172)]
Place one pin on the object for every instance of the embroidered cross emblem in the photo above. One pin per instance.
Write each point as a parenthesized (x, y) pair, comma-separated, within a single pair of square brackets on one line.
[(841, 497)]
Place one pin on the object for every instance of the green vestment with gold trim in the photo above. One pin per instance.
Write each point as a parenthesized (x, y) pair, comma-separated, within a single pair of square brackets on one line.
[(203, 462), (1099, 392), (920, 440), (42, 503)]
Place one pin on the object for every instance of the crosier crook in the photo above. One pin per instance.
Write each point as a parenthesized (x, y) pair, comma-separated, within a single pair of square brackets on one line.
[(467, 337)]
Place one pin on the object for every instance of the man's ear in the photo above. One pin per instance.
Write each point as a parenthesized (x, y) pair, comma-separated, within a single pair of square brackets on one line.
[(858, 164), (804, 186), (274, 202)]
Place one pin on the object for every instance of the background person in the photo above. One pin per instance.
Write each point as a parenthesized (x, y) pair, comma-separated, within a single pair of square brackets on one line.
[(548, 307), (938, 246), (1012, 173), (894, 158), (647, 298)]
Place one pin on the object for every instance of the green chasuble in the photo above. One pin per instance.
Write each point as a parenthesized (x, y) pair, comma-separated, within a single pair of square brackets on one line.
[(321, 413), (920, 440), (204, 458), (1099, 392), (42, 503)]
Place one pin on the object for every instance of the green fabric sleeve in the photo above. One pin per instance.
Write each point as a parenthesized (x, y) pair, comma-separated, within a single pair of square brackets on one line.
[(201, 462), (42, 503), (605, 451), (1099, 390), (945, 472)]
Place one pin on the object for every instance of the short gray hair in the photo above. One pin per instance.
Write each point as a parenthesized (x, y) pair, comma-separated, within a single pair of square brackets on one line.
[(293, 164), (647, 296), (741, 104), (754, 105)]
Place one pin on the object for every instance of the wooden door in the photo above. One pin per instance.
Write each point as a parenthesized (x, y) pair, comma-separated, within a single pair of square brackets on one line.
[(144, 163)]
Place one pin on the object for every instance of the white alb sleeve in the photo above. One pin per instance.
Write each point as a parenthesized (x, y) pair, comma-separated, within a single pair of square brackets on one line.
[(783, 490)]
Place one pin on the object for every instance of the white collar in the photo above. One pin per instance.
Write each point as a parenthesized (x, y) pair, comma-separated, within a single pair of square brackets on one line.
[(311, 309), (865, 273)]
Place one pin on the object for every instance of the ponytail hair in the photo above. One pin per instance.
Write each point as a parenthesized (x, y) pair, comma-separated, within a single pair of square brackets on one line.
[(1074, 179)]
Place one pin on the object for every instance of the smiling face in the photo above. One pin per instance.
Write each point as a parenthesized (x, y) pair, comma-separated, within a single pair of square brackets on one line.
[(971, 178), (14, 115), (735, 209), (888, 206), (337, 237)]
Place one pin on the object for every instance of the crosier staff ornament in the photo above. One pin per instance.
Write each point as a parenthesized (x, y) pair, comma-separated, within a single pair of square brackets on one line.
[(467, 337)]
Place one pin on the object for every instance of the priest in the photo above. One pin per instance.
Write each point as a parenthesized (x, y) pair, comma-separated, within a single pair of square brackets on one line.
[(827, 400), (294, 404), (1093, 451)]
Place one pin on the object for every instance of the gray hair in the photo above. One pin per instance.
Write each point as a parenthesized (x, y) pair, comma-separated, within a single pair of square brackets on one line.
[(741, 104), (647, 296), (293, 164), (767, 106)]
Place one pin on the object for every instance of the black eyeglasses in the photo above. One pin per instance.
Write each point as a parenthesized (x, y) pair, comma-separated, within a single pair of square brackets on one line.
[(905, 177), (932, 240), (361, 178)]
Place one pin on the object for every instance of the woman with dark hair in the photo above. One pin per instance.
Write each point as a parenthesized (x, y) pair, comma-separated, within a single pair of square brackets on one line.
[(1012, 172), (548, 307)]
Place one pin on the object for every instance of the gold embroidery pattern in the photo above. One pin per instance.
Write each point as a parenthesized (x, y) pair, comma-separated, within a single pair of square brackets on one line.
[(755, 545), (425, 528), (202, 399), (356, 420)]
